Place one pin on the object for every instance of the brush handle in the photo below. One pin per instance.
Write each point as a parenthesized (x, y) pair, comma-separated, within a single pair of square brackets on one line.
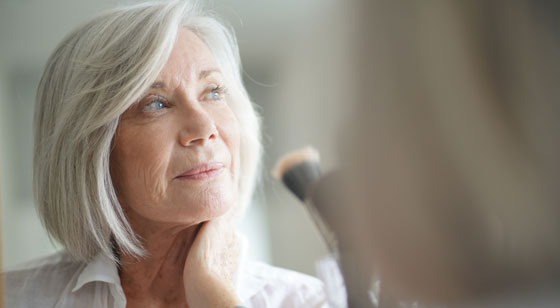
[(326, 204)]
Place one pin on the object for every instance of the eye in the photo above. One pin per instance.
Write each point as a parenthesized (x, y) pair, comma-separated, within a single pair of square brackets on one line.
[(155, 105), (215, 94)]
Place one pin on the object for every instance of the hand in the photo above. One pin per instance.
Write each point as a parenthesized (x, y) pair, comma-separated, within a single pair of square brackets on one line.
[(211, 265)]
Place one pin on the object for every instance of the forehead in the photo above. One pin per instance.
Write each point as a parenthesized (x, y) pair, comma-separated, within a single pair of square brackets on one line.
[(189, 56)]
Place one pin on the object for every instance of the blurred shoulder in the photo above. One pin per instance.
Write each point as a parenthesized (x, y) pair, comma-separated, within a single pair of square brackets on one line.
[(264, 285), (38, 280), (58, 265)]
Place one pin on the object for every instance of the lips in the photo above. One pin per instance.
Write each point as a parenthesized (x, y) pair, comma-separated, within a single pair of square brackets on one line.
[(202, 171)]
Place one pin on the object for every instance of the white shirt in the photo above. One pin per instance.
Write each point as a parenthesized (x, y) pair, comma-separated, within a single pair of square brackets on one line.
[(60, 281)]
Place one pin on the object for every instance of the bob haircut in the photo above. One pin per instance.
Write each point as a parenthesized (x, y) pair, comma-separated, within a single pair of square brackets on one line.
[(94, 75)]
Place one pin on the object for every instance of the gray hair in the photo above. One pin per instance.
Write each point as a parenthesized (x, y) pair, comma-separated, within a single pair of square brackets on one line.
[(92, 77)]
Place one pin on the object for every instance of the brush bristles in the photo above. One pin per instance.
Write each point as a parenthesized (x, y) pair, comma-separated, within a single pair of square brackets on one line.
[(307, 154), (299, 170)]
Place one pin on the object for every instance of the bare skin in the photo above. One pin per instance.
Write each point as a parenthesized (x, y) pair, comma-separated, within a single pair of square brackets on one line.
[(181, 123), (160, 275), (153, 282)]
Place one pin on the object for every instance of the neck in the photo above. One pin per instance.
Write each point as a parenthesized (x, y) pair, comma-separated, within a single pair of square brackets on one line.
[(157, 278)]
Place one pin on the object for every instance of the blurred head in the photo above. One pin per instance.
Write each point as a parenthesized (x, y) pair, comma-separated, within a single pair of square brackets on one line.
[(453, 156), (142, 111)]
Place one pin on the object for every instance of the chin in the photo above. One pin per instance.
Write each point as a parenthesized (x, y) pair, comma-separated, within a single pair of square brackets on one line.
[(214, 209), (211, 204)]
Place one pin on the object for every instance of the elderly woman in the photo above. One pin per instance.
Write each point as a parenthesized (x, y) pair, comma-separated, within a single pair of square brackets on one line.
[(146, 153)]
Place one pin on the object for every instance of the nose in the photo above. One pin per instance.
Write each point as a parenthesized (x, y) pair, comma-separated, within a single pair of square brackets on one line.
[(198, 128)]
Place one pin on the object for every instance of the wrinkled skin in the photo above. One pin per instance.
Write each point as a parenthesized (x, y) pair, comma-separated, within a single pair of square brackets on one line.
[(182, 122)]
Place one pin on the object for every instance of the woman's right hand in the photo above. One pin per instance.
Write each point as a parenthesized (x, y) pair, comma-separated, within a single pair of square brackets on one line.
[(211, 264)]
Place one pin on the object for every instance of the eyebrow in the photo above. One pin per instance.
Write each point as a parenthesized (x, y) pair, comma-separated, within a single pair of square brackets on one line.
[(203, 74), (158, 85)]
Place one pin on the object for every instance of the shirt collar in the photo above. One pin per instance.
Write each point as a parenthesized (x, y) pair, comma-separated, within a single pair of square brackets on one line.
[(101, 268), (247, 283)]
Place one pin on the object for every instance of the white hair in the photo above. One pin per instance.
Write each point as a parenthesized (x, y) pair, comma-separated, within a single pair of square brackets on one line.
[(94, 75)]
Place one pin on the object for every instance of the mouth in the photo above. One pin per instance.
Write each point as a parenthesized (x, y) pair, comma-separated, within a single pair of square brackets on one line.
[(203, 171)]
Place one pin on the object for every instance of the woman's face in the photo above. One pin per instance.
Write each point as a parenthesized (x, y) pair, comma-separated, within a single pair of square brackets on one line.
[(176, 150)]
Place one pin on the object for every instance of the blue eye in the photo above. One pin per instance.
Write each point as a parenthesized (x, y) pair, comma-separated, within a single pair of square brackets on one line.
[(213, 95), (155, 106), (216, 94)]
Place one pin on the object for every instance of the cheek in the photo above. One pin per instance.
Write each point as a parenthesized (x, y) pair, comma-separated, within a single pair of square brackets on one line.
[(151, 168), (229, 129), (139, 166)]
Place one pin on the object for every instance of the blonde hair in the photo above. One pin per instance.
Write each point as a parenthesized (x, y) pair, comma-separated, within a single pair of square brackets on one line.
[(91, 78)]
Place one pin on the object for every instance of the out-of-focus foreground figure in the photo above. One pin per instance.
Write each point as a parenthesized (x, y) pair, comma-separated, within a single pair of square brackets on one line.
[(453, 157)]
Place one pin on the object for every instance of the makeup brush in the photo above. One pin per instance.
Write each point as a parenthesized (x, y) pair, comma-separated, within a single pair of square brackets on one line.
[(300, 171)]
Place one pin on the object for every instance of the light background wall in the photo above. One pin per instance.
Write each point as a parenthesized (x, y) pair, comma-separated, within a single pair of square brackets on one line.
[(292, 52)]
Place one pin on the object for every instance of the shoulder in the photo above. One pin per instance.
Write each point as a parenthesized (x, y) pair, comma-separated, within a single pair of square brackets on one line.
[(40, 280), (263, 285), (54, 267)]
